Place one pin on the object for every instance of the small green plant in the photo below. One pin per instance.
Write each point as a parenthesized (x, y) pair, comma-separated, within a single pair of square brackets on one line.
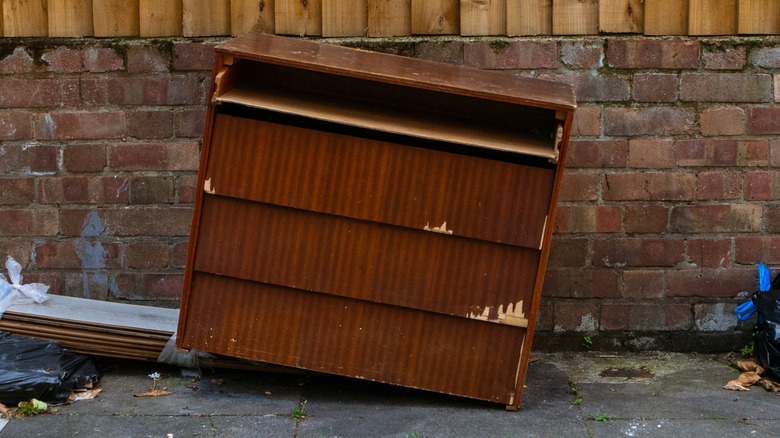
[(747, 350), (577, 401), (603, 417), (32, 407), (587, 342), (298, 414)]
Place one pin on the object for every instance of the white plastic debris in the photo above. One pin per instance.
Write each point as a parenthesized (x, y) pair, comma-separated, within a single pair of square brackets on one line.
[(14, 292)]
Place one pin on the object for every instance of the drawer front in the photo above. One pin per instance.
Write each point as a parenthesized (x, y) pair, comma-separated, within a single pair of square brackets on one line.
[(364, 260), (379, 181), (353, 338)]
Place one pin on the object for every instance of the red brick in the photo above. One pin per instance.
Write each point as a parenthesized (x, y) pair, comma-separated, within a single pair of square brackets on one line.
[(647, 53), (568, 253), (185, 188), (723, 121), (719, 185), (513, 55), (577, 55), (179, 254), (648, 121), (614, 317), (17, 62), (772, 218), (150, 124), (581, 283), (660, 186), (20, 250), (774, 251), (20, 159), (182, 90), (450, 52), (774, 156), (707, 253), (78, 254), (153, 156), (49, 278), (146, 255), (597, 154), (726, 87), (729, 58), (84, 158), (644, 284), (752, 250), (29, 222), (588, 219), (29, 93), (654, 154), (579, 187), (83, 190), (763, 121), (164, 286), (594, 88), (81, 125), (711, 282), (715, 218), (102, 59), (17, 191), (84, 92), (633, 252), (151, 190), (762, 186), (193, 56), (644, 317), (609, 219), (127, 287), (143, 58), (77, 222), (575, 316), (587, 122), (64, 60), (646, 219), (92, 285), (189, 123), (714, 152), (16, 126), (167, 221), (654, 87)]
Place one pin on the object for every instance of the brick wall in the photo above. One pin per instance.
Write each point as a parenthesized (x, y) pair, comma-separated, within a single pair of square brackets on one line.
[(669, 201)]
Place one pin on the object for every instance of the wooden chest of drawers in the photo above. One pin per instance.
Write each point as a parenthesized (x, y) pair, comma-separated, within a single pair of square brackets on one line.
[(374, 216)]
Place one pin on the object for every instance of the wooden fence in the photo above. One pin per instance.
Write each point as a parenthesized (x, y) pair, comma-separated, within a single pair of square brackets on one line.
[(375, 18)]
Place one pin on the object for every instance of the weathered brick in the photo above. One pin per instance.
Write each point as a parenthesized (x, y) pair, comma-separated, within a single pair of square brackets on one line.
[(710, 282), (587, 121), (16, 126), (193, 56), (84, 92), (579, 187), (725, 87), (568, 253), (78, 254), (19, 191), (644, 284), (581, 283), (646, 219), (647, 53), (29, 222), (29, 93), (753, 250), (126, 287), (150, 124), (87, 284), (634, 252), (648, 121), (23, 160), (660, 186), (718, 152), (185, 188), (146, 58), (78, 158), (764, 120), (20, 250), (654, 87), (102, 59), (575, 316), (765, 57), (729, 58), (659, 317), (718, 185), (83, 222), (179, 254), (715, 317), (180, 90), (153, 156), (513, 55), (164, 286), (723, 121), (146, 255), (53, 279), (17, 62), (83, 190), (589, 219), (774, 153), (594, 88), (579, 55), (151, 190), (762, 186), (189, 123), (777, 86), (544, 318), (450, 52), (597, 154), (167, 221), (64, 60), (614, 317), (715, 218), (81, 125), (709, 253), (772, 218), (653, 154)]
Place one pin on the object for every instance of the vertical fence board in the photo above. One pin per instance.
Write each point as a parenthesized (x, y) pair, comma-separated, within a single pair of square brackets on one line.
[(625, 16), (759, 17), (205, 17), (24, 18), (389, 18), (113, 18), (666, 17), (298, 17), (712, 17), (483, 17), (528, 17), (435, 17), (344, 18), (246, 15), (70, 18), (160, 17), (575, 17)]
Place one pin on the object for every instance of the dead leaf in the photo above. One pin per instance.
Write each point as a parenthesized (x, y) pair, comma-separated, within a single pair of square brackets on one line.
[(747, 365), (3, 409), (84, 395), (217, 381), (734, 385), (153, 393), (770, 385), (748, 378)]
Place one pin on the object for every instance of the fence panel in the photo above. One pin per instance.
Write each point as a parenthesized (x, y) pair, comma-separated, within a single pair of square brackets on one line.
[(621, 16), (294, 17), (666, 17), (389, 18), (70, 18), (205, 17), (759, 17), (344, 18), (24, 18), (246, 15), (483, 17), (712, 17), (575, 17), (435, 17), (114, 18), (528, 17)]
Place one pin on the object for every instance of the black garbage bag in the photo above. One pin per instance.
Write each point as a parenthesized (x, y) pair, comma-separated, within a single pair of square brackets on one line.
[(767, 329), (34, 368)]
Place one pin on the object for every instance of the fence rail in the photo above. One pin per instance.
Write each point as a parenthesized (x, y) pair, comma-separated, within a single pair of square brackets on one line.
[(378, 18)]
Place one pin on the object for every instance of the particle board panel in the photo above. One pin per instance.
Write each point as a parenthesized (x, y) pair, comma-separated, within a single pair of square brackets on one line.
[(160, 17), (389, 18), (435, 17), (529, 17), (666, 17), (70, 18), (575, 17), (113, 18), (712, 17), (483, 17), (23, 18), (354, 338), (248, 15), (344, 18), (315, 163), (621, 16), (759, 17), (295, 17), (205, 17)]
